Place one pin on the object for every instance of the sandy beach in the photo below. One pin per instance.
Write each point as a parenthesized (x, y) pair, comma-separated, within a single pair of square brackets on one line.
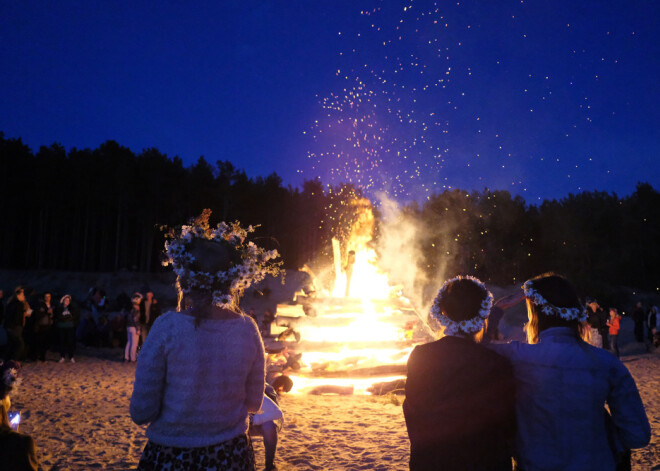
[(78, 416)]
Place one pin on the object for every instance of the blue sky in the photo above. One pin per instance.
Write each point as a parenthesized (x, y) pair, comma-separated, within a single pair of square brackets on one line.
[(538, 98)]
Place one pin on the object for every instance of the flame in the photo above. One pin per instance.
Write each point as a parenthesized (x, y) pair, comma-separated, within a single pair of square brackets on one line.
[(367, 281), (361, 336), (366, 326)]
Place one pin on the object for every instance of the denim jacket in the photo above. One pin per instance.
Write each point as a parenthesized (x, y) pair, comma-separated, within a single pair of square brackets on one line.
[(562, 385)]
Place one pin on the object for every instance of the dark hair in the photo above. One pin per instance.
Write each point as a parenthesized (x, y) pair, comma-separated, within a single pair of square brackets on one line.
[(6, 387), (282, 383), (559, 292), (462, 300), (211, 257)]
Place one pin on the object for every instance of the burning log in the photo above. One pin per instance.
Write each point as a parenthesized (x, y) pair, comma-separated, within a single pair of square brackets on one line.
[(380, 370), (380, 389), (332, 389)]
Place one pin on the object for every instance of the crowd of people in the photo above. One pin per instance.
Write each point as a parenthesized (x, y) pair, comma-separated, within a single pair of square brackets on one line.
[(473, 401), (31, 323), (604, 326)]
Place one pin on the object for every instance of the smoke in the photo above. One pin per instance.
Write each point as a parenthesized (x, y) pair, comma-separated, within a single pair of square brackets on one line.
[(401, 254)]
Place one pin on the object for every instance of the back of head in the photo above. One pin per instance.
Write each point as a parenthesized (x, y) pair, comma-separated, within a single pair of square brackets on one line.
[(208, 257), (215, 265), (552, 302), (211, 256), (462, 300), (462, 306)]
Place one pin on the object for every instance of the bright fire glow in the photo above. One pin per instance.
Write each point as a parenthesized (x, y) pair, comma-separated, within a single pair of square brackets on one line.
[(341, 386), (361, 339), (367, 282), (366, 326)]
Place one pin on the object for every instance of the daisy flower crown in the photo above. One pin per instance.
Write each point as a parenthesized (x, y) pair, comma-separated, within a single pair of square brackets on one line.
[(469, 326), (568, 313), (228, 285)]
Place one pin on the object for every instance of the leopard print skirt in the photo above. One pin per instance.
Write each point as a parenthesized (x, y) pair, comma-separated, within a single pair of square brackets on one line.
[(233, 455)]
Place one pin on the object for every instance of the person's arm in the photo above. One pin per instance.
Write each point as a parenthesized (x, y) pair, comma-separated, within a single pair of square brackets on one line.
[(510, 301), (414, 384), (150, 378), (627, 409), (256, 380)]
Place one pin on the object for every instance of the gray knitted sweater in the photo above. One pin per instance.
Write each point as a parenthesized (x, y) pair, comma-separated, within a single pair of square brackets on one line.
[(195, 386)]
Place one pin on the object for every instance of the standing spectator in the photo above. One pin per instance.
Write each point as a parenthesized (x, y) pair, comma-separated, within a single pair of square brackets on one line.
[(17, 311), (201, 370), (96, 302), (132, 316), (596, 323), (43, 321), (66, 319), (149, 312), (651, 321), (614, 326), (638, 317), (32, 299)]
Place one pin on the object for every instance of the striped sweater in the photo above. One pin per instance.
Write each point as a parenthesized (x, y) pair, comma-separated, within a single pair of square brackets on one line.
[(195, 386)]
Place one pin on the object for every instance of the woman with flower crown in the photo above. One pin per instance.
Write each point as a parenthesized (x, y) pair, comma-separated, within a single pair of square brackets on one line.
[(562, 386), (459, 405), (201, 370)]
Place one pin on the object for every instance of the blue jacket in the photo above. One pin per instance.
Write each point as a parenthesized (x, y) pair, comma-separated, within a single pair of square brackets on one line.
[(562, 385)]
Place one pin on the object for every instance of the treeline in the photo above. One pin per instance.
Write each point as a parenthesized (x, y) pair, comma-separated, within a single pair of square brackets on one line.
[(102, 209), (597, 239)]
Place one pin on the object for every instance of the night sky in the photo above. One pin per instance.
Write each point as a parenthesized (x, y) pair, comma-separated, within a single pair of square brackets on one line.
[(540, 98)]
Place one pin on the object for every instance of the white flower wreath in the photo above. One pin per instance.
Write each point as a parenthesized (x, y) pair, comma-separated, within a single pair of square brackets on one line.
[(470, 326), (226, 285), (568, 313)]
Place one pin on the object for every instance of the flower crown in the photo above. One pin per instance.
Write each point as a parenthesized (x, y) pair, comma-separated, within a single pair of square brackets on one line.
[(226, 285), (470, 326), (568, 313), (10, 378)]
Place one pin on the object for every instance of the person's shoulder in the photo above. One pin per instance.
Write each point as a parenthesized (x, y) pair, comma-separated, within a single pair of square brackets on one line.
[(603, 356), (15, 440), (493, 355), (248, 323), (165, 321), (507, 349), (444, 346)]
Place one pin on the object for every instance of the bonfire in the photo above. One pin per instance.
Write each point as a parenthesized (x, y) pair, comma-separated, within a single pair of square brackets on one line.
[(354, 338)]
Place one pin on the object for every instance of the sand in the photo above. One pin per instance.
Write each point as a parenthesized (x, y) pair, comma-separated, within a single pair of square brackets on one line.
[(78, 416)]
